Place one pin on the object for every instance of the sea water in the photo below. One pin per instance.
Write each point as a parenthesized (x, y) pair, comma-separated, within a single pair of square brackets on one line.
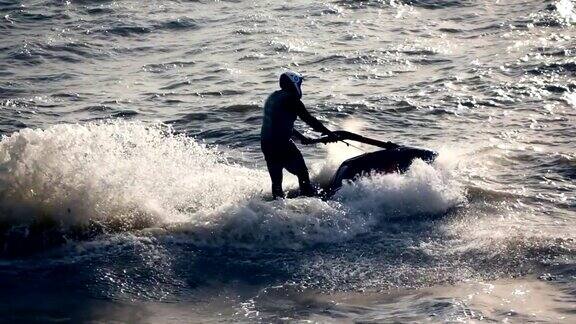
[(132, 187)]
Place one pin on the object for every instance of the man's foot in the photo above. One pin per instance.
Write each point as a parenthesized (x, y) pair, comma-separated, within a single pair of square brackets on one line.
[(278, 193), (306, 189)]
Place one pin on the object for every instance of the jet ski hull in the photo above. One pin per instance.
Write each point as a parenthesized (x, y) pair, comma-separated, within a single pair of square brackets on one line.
[(385, 161)]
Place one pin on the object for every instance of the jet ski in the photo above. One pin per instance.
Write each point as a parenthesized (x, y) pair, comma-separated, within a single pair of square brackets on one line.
[(392, 158)]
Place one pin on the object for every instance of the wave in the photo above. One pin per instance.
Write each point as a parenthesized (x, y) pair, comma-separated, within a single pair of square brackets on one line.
[(560, 13), (565, 11), (357, 208), (554, 68), (34, 53), (128, 176), (178, 24), (427, 4), (106, 170)]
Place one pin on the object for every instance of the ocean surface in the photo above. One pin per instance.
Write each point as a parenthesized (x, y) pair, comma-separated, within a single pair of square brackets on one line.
[(132, 187)]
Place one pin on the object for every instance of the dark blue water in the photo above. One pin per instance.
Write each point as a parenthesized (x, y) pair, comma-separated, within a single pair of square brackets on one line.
[(132, 187)]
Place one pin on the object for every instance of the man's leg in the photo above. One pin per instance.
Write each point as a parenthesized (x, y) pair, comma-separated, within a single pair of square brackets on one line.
[(275, 166), (275, 171), (295, 164)]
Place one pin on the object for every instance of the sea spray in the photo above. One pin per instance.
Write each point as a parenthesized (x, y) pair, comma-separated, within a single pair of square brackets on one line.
[(423, 190), (338, 152), (130, 176), (116, 171)]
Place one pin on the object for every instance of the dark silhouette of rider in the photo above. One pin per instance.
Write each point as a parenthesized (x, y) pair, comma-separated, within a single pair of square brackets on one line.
[(280, 111)]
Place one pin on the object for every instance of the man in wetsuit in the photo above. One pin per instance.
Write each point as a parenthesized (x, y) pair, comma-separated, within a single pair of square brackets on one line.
[(280, 111)]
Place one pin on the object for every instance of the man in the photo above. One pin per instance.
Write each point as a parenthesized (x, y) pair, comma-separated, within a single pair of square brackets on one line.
[(280, 111)]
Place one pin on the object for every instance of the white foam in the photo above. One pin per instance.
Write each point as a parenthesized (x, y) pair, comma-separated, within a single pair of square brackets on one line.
[(357, 208), (424, 189), (140, 176), (570, 98), (116, 171), (566, 11)]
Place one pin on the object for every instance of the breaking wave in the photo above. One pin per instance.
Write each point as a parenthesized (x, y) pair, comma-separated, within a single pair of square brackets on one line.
[(130, 176)]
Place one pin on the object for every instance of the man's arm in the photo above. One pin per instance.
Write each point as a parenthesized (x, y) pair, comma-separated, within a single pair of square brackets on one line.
[(310, 120), (300, 137)]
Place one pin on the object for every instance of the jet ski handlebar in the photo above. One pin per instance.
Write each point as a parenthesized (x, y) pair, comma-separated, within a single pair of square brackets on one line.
[(344, 135)]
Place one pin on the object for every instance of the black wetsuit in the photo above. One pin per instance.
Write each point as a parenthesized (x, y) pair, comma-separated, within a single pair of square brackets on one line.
[(280, 111)]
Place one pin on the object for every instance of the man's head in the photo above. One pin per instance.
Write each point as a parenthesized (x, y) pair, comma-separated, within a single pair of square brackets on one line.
[(292, 82)]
